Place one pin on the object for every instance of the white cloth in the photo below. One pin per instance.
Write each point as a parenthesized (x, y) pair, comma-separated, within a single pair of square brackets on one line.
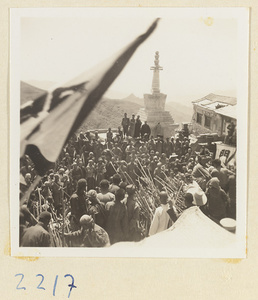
[(160, 219), (192, 185)]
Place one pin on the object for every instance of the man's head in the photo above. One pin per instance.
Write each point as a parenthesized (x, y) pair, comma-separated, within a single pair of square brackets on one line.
[(28, 178), (61, 171), (216, 163), (57, 178), (92, 194), (87, 222), (188, 178), (45, 218), (104, 185), (214, 183), (130, 189), (163, 196), (188, 200), (120, 194), (81, 185), (116, 179)]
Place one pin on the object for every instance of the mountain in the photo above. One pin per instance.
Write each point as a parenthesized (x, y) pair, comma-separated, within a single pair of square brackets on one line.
[(44, 84), (180, 112), (133, 99), (29, 92), (107, 113)]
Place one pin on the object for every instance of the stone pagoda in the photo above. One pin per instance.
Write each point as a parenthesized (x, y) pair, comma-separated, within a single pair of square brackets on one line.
[(159, 120)]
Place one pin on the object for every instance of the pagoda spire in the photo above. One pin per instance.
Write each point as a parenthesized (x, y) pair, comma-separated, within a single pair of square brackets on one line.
[(155, 79)]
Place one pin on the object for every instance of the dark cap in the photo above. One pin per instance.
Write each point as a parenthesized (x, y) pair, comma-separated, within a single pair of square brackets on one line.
[(82, 183), (45, 217), (130, 189)]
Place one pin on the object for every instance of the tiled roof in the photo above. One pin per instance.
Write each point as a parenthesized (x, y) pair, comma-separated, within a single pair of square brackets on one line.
[(229, 111), (217, 98)]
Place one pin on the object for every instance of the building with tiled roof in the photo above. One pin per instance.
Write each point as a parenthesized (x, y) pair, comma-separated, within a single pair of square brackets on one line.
[(213, 114)]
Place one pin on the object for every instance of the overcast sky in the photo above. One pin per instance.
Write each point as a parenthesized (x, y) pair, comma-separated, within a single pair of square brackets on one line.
[(198, 48)]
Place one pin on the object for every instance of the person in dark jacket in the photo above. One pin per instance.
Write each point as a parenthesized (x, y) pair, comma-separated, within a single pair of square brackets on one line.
[(90, 234), (133, 212), (138, 125), (78, 201), (218, 201), (125, 124), (145, 129), (38, 236), (117, 219)]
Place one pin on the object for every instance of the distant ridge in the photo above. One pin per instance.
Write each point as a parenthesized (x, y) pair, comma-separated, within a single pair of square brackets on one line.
[(107, 113), (29, 92), (132, 98)]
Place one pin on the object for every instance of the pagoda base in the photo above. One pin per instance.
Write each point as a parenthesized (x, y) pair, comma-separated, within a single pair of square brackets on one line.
[(167, 126)]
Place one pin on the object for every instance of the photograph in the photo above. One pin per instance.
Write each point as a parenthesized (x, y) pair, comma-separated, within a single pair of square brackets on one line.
[(128, 132)]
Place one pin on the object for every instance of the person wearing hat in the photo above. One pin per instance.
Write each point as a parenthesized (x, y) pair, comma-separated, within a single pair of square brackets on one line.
[(218, 200), (199, 197), (90, 234), (161, 218), (189, 182), (38, 236), (117, 219), (96, 208)]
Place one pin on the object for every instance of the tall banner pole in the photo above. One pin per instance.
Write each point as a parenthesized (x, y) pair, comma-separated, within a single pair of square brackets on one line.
[(63, 213)]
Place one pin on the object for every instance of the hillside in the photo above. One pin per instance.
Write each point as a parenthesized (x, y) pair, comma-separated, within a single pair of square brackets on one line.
[(109, 112), (29, 92), (180, 112)]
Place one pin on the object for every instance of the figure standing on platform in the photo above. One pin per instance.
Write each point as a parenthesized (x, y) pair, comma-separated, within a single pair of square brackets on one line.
[(125, 124)]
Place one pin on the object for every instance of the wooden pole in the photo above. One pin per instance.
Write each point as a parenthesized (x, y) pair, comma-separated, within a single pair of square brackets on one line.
[(63, 214)]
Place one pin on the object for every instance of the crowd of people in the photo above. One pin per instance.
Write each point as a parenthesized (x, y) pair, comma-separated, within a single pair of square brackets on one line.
[(93, 190)]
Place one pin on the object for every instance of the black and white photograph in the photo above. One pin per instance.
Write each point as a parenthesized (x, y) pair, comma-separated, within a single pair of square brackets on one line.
[(129, 132)]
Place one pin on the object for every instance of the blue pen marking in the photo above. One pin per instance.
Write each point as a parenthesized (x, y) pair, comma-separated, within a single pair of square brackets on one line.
[(20, 287), (72, 286), (42, 279), (54, 289)]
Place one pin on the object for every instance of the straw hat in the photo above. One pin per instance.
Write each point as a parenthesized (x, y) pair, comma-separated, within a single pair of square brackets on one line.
[(198, 196), (229, 224)]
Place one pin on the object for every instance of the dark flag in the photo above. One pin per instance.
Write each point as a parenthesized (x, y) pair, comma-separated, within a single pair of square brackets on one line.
[(49, 121)]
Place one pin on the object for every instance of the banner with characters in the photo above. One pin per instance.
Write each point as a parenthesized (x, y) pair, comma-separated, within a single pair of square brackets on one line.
[(226, 153)]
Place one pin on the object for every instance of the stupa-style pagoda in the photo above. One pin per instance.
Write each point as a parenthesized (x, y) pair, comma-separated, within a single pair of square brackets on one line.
[(159, 120)]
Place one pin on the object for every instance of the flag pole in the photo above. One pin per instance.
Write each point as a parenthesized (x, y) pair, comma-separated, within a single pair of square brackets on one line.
[(63, 214)]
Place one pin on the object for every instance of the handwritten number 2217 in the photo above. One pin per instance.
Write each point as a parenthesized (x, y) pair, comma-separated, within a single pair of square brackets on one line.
[(71, 285)]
